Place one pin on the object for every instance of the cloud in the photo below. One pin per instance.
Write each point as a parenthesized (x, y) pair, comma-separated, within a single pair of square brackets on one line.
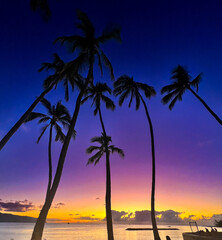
[(59, 205), (142, 216), (97, 198), (87, 218), (16, 206), (170, 216)]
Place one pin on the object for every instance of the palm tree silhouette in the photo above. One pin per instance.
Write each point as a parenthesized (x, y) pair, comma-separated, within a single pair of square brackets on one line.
[(96, 93), (88, 46), (182, 82), (56, 115), (104, 147), (50, 82), (125, 86)]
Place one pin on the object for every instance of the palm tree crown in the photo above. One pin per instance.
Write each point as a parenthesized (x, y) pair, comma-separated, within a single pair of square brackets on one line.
[(58, 66), (181, 82), (55, 114), (88, 45), (104, 145), (96, 93), (125, 86)]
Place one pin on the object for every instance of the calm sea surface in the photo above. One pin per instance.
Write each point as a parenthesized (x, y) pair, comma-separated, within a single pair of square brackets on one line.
[(23, 231)]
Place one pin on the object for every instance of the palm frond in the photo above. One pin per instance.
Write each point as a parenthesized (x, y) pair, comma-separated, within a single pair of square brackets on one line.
[(117, 150), (44, 119), (91, 149), (169, 88), (123, 97), (137, 101), (170, 95), (109, 103), (34, 115), (60, 136), (42, 132), (107, 63), (112, 32), (196, 81), (95, 158)]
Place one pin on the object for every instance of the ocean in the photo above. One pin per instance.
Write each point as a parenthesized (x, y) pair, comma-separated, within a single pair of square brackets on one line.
[(62, 231)]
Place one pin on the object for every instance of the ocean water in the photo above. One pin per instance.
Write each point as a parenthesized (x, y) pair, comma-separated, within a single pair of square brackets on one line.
[(61, 231)]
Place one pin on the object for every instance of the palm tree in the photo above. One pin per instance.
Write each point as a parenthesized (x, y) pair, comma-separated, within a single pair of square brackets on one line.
[(104, 147), (50, 82), (125, 86), (88, 46), (182, 82), (96, 93), (55, 114)]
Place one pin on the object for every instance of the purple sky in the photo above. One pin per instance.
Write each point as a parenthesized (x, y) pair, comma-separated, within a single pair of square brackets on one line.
[(156, 37)]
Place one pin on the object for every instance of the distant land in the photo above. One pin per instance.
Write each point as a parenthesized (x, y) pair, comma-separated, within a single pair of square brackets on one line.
[(4, 217)]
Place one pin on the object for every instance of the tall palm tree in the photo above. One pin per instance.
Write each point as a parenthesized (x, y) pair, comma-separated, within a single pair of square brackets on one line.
[(50, 82), (96, 93), (182, 82), (125, 86), (104, 147), (89, 47), (56, 115)]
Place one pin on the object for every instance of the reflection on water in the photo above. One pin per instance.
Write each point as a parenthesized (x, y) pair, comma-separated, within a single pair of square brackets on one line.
[(23, 231)]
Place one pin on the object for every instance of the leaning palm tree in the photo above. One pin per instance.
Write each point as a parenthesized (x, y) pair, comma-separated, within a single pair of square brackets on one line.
[(125, 86), (89, 48), (182, 82), (57, 117), (104, 147), (49, 83), (96, 93)]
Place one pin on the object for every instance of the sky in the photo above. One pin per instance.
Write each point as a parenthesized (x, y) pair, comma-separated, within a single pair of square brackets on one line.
[(156, 37)]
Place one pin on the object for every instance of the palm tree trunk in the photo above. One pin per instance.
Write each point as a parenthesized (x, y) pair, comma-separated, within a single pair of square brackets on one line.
[(50, 161), (10, 133), (206, 106), (108, 200), (39, 226), (153, 218), (108, 187)]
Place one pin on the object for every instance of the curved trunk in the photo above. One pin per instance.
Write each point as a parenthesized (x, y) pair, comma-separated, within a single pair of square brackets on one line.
[(50, 161), (206, 106), (10, 133), (108, 187), (39, 226), (153, 218)]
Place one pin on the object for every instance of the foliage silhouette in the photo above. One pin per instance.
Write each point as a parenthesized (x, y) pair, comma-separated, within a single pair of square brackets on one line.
[(56, 115), (125, 87), (49, 83), (97, 94), (104, 147), (182, 82), (88, 47)]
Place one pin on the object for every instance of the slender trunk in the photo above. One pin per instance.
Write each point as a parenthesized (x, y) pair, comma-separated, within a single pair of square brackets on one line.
[(206, 106), (108, 200), (50, 161), (10, 133), (108, 187), (153, 218), (39, 226)]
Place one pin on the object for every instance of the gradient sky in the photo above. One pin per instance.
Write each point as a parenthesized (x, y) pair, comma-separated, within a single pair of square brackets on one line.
[(156, 37)]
